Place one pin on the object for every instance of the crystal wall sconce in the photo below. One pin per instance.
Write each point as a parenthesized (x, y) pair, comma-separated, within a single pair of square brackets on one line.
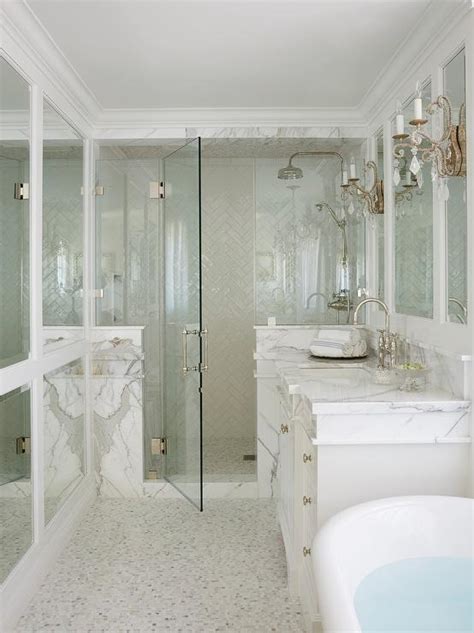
[(372, 198), (447, 153)]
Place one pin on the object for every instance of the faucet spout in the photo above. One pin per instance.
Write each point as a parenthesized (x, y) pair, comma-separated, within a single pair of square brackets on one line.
[(315, 294), (379, 302)]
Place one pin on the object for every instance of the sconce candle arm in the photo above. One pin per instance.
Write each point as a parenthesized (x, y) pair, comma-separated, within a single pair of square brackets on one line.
[(448, 152), (373, 196)]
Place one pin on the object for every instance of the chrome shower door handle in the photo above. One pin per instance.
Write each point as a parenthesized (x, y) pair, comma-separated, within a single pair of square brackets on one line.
[(184, 340), (205, 350)]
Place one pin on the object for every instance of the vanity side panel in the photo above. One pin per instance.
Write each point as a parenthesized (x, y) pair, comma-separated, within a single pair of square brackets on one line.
[(349, 475)]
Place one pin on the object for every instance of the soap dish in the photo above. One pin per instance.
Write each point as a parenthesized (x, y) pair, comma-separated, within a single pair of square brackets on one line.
[(412, 378)]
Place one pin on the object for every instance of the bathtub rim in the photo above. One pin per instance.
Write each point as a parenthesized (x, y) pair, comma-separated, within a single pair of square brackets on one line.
[(335, 593)]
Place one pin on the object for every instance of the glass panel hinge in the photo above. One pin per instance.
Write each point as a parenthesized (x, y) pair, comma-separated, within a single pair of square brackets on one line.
[(21, 191), (159, 446), (23, 445)]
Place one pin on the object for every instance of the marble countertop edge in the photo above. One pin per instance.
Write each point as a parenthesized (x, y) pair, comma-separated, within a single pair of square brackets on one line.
[(384, 441), (367, 406)]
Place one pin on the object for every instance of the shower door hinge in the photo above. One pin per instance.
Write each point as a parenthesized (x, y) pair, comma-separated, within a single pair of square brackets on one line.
[(159, 446), (22, 191), (162, 190), (99, 190), (23, 445)]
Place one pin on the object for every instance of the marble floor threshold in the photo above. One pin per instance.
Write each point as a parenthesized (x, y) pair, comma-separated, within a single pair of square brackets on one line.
[(151, 565)]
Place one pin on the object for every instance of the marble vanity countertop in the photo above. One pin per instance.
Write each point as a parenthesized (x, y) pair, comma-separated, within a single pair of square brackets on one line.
[(302, 358), (342, 388)]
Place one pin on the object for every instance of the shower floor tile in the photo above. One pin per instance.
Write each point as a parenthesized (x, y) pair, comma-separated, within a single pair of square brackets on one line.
[(159, 565), (224, 459)]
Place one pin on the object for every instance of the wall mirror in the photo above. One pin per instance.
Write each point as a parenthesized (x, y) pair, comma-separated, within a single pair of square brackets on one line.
[(413, 205), (14, 216), (63, 221), (307, 260), (379, 224), (456, 206)]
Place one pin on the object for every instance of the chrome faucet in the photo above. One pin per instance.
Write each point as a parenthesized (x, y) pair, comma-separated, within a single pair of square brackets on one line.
[(387, 346)]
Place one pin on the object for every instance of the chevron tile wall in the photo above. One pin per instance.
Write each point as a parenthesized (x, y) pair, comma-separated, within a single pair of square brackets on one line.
[(228, 303)]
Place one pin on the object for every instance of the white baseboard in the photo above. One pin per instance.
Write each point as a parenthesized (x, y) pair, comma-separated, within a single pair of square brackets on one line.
[(25, 579)]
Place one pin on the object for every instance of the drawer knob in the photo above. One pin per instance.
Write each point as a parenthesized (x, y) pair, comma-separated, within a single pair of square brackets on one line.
[(307, 458), (284, 428), (306, 500), (306, 551)]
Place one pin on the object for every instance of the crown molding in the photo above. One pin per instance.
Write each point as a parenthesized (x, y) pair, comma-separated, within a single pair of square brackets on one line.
[(422, 39), (113, 120), (32, 51), (41, 61)]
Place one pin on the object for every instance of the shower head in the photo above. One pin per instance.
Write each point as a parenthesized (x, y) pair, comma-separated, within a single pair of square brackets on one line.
[(290, 172), (295, 173)]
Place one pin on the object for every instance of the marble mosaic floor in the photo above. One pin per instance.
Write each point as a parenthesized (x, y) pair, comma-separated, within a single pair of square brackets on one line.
[(147, 566)]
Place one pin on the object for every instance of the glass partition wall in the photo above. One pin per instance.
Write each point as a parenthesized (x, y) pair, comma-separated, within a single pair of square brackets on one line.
[(251, 269)]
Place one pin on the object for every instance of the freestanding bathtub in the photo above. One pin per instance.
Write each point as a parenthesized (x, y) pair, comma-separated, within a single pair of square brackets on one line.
[(397, 564)]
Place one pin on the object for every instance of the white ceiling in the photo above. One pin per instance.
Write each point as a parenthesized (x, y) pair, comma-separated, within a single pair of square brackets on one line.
[(235, 54)]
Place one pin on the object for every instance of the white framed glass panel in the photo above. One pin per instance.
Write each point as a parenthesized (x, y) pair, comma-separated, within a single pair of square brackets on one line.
[(14, 216), (63, 222)]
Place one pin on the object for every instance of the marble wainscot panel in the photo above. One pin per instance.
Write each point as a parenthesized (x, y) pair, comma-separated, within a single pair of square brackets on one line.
[(64, 406), (117, 392)]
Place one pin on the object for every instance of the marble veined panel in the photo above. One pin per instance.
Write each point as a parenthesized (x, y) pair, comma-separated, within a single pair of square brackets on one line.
[(118, 435), (64, 460)]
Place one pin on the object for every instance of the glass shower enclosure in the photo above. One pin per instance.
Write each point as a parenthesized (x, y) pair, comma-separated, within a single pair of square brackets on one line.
[(183, 334), (148, 270)]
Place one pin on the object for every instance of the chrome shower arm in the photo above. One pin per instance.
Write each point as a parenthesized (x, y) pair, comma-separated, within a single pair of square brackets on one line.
[(319, 153)]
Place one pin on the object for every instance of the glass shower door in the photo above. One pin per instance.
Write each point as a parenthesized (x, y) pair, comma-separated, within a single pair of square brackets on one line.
[(183, 362)]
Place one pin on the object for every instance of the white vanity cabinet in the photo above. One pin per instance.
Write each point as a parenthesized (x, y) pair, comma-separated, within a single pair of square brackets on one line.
[(297, 505), (306, 519), (286, 486)]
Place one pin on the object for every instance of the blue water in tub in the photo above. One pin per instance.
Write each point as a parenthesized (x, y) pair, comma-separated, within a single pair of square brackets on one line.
[(418, 594)]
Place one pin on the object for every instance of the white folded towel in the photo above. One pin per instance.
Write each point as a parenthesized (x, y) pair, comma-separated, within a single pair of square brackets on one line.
[(336, 349), (346, 335)]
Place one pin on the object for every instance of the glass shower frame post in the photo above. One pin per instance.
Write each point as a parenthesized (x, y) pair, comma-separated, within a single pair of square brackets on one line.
[(183, 334)]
